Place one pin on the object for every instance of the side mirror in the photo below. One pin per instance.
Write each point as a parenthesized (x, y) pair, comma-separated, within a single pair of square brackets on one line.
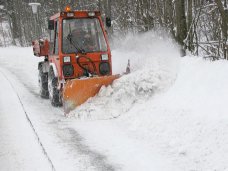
[(108, 22), (51, 24)]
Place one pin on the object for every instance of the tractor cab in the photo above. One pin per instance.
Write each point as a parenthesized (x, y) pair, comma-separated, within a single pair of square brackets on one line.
[(82, 35), (79, 45)]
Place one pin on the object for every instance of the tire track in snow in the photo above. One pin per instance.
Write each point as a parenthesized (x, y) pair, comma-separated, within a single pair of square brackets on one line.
[(30, 123), (98, 161)]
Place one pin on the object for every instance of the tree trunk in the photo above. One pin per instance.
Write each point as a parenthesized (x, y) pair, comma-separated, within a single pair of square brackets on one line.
[(224, 15), (190, 26), (170, 16), (181, 23)]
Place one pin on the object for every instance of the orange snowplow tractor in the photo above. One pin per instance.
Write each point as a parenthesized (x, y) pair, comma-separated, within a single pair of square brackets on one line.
[(78, 91)]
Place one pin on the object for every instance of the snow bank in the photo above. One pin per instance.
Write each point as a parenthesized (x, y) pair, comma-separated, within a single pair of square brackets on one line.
[(154, 64), (188, 123)]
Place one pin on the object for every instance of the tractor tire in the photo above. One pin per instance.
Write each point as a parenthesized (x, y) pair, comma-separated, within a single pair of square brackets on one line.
[(54, 93), (43, 84)]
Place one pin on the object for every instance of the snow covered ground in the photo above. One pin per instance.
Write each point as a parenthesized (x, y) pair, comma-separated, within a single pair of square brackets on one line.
[(170, 113), (19, 148)]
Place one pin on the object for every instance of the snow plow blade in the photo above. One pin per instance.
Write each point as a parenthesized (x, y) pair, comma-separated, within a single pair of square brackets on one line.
[(78, 91)]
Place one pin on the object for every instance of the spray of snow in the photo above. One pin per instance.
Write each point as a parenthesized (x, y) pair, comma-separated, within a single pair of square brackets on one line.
[(154, 62)]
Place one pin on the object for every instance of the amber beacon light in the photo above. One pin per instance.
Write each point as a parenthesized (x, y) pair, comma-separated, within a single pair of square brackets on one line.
[(67, 8)]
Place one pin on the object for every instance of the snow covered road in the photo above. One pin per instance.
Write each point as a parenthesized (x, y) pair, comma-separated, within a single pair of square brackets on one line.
[(170, 114), (19, 147)]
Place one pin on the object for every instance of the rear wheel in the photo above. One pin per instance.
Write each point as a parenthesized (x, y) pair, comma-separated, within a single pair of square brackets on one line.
[(43, 83), (54, 93)]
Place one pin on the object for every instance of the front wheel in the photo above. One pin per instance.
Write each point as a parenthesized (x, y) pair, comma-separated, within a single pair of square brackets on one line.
[(54, 93)]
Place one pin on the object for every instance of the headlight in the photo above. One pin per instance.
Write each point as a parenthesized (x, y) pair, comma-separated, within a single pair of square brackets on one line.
[(91, 14), (70, 14), (104, 68), (66, 59), (68, 70), (104, 57)]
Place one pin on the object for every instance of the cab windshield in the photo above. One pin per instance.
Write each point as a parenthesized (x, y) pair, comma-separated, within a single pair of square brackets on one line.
[(84, 34)]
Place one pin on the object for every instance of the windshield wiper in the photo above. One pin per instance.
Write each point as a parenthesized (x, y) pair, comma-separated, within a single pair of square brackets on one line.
[(75, 44)]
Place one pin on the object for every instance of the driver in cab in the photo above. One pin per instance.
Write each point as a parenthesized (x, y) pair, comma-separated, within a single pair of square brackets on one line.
[(79, 39)]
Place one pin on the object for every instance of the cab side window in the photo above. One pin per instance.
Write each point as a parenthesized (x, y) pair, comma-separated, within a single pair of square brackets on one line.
[(56, 45), (51, 43)]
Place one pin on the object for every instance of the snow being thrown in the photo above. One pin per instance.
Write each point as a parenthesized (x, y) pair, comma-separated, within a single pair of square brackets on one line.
[(154, 60)]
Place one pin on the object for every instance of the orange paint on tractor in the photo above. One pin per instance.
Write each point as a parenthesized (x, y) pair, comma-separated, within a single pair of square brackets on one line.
[(76, 71)]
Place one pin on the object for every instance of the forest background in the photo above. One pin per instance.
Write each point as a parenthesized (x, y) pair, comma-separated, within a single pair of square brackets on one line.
[(199, 26)]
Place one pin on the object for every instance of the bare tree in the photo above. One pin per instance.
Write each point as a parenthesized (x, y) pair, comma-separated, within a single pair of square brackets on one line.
[(181, 24), (224, 15)]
